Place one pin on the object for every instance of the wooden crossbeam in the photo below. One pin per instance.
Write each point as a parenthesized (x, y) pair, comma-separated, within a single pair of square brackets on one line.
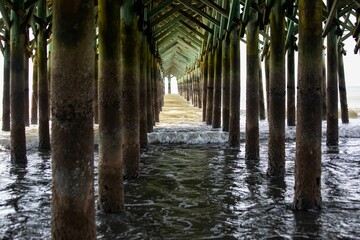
[(159, 8), (188, 4)]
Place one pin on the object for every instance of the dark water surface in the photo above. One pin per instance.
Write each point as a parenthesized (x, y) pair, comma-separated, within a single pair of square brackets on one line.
[(196, 192)]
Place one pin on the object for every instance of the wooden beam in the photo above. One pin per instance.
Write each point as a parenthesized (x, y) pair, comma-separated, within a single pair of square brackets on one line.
[(192, 29), (188, 4), (330, 18), (159, 7), (200, 24), (5, 15), (216, 7), (166, 15), (233, 7), (246, 11)]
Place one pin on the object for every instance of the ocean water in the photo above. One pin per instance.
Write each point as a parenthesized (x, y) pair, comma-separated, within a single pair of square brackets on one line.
[(193, 186)]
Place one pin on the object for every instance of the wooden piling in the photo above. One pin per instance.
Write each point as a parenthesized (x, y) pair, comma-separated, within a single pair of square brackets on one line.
[(26, 85), (17, 44), (262, 114), (210, 88), (130, 84), (43, 84), (234, 117), (308, 130), (34, 95), (342, 87), (267, 81), (72, 141), (291, 86), (332, 129), (323, 85), (252, 87), (276, 153), (96, 92), (149, 92), (111, 189), (216, 114), (6, 86), (205, 77), (225, 78), (143, 92)]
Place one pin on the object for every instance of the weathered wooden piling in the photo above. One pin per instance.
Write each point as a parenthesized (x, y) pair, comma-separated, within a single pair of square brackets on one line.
[(342, 86), (252, 87), (17, 45), (96, 92), (156, 91), (26, 83), (72, 141), (323, 86), (216, 111), (143, 91), (44, 135), (290, 88), (169, 84), (149, 92), (332, 129), (234, 117), (111, 190), (130, 84), (276, 153), (225, 79), (267, 81), (205, 76), (210, 87), (6, 86), (262, 114), (308, 131), (34, 94)]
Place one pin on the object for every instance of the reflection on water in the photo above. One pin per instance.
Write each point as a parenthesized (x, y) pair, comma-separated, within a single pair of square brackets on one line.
[(196, 192)]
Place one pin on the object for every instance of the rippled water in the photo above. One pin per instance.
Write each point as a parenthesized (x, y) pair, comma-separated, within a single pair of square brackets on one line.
[(198, 191)]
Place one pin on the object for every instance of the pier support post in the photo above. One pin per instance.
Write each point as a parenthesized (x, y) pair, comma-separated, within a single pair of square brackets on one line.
[(169, 84), (72, 141), (216, 114), (332, 130), (342, 86), (44, 135), (143, 92), (308, 131), (225, 78), (234, 117), (17, 45), (130, 84), (210, 88), (261, 94), (252, 87), (291, 85), (111, 190), (34, 98), (267, 81), (149, 96), (276, 154), (6, 86), (323, 86), (26, 82), (205, 77)]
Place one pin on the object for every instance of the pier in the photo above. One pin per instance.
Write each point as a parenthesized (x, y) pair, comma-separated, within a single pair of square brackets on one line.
[(104, 62)]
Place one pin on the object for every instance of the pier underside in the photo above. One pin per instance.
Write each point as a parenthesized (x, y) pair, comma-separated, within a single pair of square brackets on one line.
[(104, 62)]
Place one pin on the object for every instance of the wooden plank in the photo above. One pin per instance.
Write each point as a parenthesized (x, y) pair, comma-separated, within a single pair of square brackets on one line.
[(166, 15)]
